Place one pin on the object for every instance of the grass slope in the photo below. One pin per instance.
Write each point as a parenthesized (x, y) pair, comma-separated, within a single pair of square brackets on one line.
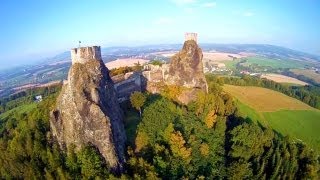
[(20, 109), (299, 124), (265, 100), (231, 64), (248, 112)]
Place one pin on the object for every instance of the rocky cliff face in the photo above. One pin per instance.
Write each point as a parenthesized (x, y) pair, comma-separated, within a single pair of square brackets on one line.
[(87, 112), (186, 67)]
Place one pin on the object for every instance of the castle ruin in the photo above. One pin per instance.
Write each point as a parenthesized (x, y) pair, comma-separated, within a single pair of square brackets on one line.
[(185, 69), (191, 36), (130, 82), (84, 54)]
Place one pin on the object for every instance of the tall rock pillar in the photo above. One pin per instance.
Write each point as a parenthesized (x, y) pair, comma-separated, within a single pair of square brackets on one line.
[(87, 110)]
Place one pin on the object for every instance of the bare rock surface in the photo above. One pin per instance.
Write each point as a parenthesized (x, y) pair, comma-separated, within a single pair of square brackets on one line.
[(186, 67), (87, 112)]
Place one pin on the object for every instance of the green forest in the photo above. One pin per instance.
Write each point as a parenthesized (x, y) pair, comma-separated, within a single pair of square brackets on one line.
[(206, 139)]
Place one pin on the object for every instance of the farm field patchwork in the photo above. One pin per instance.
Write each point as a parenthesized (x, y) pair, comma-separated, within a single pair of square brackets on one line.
[(308, 73), (220, 56), (283, 79), (296, 119), (265, 62), (230, 64), (275, 63)]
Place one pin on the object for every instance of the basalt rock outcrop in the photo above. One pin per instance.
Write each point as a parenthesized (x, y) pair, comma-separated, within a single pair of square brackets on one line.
[(87, 110), (186, 67), (186, 70)]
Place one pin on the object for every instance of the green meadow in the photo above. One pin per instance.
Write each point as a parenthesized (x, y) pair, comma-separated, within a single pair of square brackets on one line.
[(275, 63), (300, 125), (266, 62)]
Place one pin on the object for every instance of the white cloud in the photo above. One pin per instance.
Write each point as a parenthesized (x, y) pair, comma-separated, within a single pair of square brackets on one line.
[(209, 4), (184, 2), (248, 14)]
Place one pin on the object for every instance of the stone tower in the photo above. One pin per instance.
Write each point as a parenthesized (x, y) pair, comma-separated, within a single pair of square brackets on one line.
[(87, 111), (85, 54), (191, 36), (186, 69)]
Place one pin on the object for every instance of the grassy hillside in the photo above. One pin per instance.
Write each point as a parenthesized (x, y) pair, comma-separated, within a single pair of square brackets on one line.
[(266, 62), (26, 108), (302, 125), (231, 64), (274, 63), (285, 115), (265, 100)]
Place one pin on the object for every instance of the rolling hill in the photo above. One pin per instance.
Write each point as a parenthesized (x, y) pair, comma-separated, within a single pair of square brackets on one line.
[(282, 113), (55, 68)]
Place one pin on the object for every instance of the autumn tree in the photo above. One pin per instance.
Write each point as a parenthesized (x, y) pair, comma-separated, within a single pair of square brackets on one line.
[(172, 92), (210, 119), (178, 148), (141, 140), (137, 100), (204, 149)]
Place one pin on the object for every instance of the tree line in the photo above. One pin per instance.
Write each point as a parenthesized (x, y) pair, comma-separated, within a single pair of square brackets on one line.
[(308, 80)]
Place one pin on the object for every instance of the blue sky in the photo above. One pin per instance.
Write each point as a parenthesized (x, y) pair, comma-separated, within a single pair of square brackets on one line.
[(36, 29)]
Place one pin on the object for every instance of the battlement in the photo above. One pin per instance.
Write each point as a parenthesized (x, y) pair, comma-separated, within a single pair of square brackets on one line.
[(85, 54), (191, 36)]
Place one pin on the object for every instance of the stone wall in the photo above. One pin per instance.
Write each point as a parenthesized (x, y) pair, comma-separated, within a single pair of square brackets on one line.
[(155, 73), (185, 69), (191, 36), (131, 82), (139, 81), (85, 54)]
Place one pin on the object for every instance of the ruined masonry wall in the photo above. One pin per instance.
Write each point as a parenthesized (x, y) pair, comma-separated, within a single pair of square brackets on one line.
[(191, 36), (84, 54)]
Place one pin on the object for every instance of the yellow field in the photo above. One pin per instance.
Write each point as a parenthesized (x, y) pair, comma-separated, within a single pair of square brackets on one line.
[(283, 79), (125, 62), (265, 100), (218, 56), (308, 73)]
